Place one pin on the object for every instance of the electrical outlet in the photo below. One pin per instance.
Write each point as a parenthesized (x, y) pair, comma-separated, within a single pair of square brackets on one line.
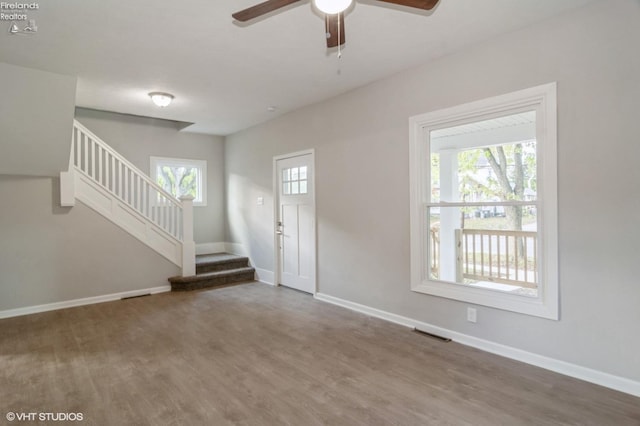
[(472, 315)]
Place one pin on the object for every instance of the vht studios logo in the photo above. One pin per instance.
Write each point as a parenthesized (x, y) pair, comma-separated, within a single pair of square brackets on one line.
[(44, 417)]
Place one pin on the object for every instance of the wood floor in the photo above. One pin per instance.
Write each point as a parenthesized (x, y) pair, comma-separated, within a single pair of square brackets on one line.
[(251, 354)]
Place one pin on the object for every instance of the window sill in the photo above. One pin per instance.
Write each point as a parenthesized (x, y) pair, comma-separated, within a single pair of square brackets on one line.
[(534, 306)]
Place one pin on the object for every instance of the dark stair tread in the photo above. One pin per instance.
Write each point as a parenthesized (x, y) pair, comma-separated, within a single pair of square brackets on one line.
[(209, 275), (214, 270), (216, 258), (219, 262)]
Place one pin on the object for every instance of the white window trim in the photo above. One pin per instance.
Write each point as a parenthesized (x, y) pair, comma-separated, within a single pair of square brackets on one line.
[(543, 100), (180, 162)]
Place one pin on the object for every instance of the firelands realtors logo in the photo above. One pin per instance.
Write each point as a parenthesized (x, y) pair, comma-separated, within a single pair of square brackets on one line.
[(18, 14)]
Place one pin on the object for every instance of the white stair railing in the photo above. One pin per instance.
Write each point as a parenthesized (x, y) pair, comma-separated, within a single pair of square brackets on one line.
[(105, 168)]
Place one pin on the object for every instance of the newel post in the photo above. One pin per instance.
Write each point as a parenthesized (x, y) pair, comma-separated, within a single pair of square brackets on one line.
[(67, 188), (188, 245)]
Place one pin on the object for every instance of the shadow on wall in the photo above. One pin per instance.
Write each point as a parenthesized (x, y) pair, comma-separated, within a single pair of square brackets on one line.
[(251, 223)]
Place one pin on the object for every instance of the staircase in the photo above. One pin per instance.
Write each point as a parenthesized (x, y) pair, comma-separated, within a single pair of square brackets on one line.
[(107, 182), (214, 270)]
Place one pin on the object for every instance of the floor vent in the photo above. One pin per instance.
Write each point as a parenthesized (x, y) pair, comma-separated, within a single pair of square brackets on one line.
[(134, 297), (435, 336)]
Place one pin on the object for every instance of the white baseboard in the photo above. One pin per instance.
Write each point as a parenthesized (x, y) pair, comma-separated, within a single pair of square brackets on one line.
[(209, 248), (236, 248), (618, 383), (81, 302), (264, 276)]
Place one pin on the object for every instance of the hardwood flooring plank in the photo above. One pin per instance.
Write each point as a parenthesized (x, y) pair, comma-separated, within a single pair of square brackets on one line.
[(252, 354)]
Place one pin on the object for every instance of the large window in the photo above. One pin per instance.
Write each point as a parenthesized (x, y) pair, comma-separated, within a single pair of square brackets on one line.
[(181, 177), (484, 202)]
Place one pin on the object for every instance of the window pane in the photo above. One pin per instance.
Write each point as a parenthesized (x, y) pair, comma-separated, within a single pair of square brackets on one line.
[(162, 181), (181, 177), (286, 188), (491, 160), (294, 187), (435, 178), (187, 179), (168, 178), (286, 175), (294, 173), (303, 172), (492, 247), (303, 186)]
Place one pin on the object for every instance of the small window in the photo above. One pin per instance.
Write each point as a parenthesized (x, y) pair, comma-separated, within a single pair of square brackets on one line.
[(484, 203), (181, 177), (294, 181)]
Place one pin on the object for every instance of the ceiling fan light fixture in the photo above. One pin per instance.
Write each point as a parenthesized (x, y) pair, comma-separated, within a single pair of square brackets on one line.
[(331, 7), (161, 99)]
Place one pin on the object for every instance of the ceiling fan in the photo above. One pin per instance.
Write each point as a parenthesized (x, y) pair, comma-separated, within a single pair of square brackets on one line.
[(333, 10)]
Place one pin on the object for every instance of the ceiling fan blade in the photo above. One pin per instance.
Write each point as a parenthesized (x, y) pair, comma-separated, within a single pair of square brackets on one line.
[(261, 9), (334, 24), (419, 4)]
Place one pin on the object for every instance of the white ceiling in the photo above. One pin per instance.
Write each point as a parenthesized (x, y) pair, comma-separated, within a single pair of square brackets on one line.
[(225, 74)]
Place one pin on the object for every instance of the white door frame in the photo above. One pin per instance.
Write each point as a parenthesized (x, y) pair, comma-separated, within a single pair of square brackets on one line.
[(276, 214)]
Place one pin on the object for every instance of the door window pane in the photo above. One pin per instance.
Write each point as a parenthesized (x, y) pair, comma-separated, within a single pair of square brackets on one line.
[(294, 181)]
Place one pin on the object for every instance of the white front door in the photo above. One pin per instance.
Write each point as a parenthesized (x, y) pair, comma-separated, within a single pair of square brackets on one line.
[(295, 222)]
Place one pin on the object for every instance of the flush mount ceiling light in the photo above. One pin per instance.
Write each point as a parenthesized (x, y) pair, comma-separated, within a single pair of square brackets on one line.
[(161, 99), (331, 7)]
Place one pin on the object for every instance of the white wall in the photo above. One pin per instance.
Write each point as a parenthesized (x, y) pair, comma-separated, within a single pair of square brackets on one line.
[(30, 96), (50, 254), (138, 138), (361, 142)]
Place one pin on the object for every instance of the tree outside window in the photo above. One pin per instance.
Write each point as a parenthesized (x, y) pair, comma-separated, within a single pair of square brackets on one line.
[(181, 177)]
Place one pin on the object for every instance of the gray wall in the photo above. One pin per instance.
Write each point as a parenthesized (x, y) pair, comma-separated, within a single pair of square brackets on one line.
[(361, 141), (30, 96), (138, 138), (50, 254)]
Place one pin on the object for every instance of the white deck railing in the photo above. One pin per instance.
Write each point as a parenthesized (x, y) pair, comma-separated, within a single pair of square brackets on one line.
[(507, 257), (111, 172)]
